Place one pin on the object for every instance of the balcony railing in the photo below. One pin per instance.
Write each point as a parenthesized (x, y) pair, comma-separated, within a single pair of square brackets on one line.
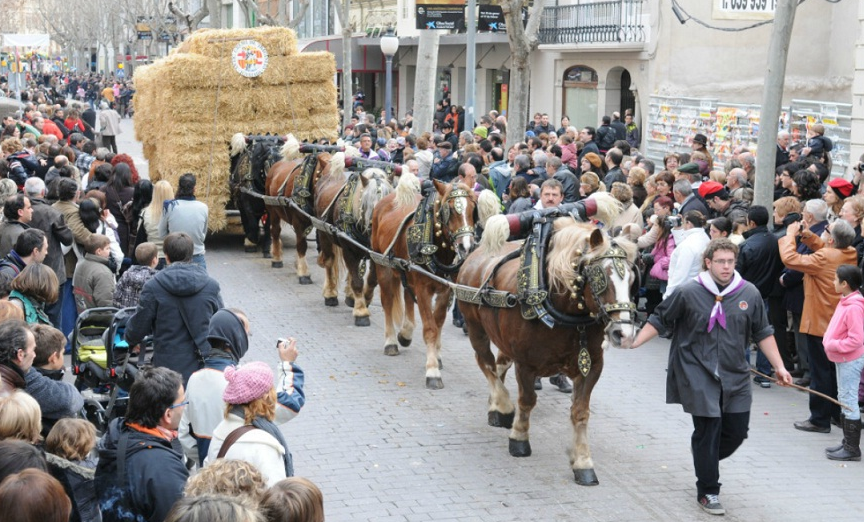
[(615, 21)]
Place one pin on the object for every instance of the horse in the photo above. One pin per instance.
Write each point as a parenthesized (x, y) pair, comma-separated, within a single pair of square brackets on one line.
[(590, 289), (295, 177), (450, 215), (347, 203), (250, 161)]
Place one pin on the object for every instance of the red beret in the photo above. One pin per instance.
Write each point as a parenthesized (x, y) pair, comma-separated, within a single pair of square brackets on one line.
[(841, 187), (709, 188)]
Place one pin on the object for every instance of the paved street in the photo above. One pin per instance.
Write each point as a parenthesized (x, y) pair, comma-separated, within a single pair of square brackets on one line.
[(383, 448)]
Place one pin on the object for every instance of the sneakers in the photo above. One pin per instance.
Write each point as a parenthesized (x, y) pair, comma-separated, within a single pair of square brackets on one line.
[(762, 381), (711, 504)]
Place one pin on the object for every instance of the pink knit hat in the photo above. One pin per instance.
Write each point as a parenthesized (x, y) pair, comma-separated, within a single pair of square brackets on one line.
[(249, 382)]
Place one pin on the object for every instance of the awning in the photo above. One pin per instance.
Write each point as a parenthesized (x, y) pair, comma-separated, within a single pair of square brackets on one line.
[(26, 40)]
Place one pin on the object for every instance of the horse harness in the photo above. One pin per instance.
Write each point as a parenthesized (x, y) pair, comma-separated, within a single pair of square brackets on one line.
[(430, 220)]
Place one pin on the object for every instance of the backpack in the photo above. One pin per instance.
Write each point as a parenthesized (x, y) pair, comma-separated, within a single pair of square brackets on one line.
[(606, 138)]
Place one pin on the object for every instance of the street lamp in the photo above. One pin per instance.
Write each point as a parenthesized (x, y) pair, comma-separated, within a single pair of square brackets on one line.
[(389, 46)]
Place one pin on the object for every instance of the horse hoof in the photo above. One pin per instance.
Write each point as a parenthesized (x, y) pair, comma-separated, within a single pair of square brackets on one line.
[(349, 302), (434, 383), (362, 321), (403, 341), (585, 477), (306, 280), (520, 448), (249, 249), (328, 301), (501, 420), (266, 255), (391, 349), (276, 264)]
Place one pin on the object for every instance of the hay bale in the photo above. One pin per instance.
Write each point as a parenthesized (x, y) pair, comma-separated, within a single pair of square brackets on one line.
[(219, 43), (184, 70)]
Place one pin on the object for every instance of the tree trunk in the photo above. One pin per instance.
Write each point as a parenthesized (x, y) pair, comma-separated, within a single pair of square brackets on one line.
[(343, 8), (425, 80), (523, 40), (215, 9)]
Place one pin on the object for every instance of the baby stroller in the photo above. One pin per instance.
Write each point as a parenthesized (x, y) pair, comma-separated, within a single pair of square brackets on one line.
[(100, 363)]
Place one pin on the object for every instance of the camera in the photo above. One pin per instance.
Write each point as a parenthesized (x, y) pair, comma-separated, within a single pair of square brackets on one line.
[(280, 341), (860, 167), (673, 221)]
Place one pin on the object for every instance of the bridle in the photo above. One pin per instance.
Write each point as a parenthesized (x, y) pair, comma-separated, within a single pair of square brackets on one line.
[(442, 219), (598, 283)]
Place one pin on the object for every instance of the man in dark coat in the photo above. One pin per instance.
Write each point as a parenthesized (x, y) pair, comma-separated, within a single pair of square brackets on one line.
[(707, 374), (89, 119), (618, 126), (140, 475), (568, 180), (759, 263), (444, 163), (17, 212), (180, 299), (49, 220), (586, 136)]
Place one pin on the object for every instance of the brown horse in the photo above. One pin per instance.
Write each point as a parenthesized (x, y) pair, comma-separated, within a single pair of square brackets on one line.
[(454, 220), (280, 182), (589, 280), (347, 203)]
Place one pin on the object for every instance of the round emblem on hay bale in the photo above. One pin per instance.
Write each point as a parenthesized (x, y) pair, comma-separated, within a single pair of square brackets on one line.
[(249, 58)]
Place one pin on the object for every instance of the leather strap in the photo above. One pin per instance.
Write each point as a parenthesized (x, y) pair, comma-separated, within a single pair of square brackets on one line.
[(233, 437)]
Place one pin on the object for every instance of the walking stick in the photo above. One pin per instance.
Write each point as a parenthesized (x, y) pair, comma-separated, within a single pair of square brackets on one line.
[(808, 390)]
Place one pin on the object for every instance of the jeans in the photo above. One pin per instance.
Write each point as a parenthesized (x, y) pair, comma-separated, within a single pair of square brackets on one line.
[(198, 259), (714, 439), (823, 378), (848, 377), (69, 315)]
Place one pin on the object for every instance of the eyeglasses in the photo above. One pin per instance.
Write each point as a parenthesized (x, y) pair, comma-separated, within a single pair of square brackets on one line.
[(178, 405)]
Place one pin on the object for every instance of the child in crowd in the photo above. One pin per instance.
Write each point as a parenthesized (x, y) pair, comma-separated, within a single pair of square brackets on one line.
[(234, 478), (128, 289), (817, 144), (294, 499), (57, 399), (844, 346), (69, 451), (93, 281)]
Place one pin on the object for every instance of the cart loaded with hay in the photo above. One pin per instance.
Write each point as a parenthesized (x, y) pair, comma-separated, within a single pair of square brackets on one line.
[(219, 83)]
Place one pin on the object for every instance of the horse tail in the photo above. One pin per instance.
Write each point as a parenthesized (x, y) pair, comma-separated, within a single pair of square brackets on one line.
[(406, 190), (238, 144), (495, 234), (337, 164), (608, 208), (291, 149), (487, 206)]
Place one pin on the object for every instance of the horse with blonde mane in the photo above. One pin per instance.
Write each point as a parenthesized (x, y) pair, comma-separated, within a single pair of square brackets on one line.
[(347, 203), (295, 177), (453, 215), (585, 306)]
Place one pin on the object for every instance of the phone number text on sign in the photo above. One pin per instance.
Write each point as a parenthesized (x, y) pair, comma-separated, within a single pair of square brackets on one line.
[(744, 9)]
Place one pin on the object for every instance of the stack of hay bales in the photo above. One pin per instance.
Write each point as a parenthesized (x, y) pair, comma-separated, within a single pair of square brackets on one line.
[(190, 103)]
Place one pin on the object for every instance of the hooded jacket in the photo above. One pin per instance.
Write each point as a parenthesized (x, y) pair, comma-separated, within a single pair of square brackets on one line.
[(77, 480), (844, 338), (153, 482), (180, 289)]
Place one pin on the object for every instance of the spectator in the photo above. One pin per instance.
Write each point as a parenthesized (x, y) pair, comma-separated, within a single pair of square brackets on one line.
[(33, 495), (613, 165), (838, 190), (682, 191), (68, 192), (17, 351), (690, 243), (589, 184), (68, 450), (152, 215), (605, 135), (57, 399), (32, 289), (251, 408), (660, 236), (853, 213), (93, 281), (759, 263), (296, 499), (109, 125), (721, 202), (233, 478), (592, 163), (636, 179), (33, 247), (623, 193), (844, 346), (128, 289), (633, 137), (181, 299), (568, 180), (98, 220), (154, 471), (17, 213), (212, 508), (17, 455), (119, 191), (700, 144), (444, 163), (185, 214), (20, 418), (519, 197), (820, 300)]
